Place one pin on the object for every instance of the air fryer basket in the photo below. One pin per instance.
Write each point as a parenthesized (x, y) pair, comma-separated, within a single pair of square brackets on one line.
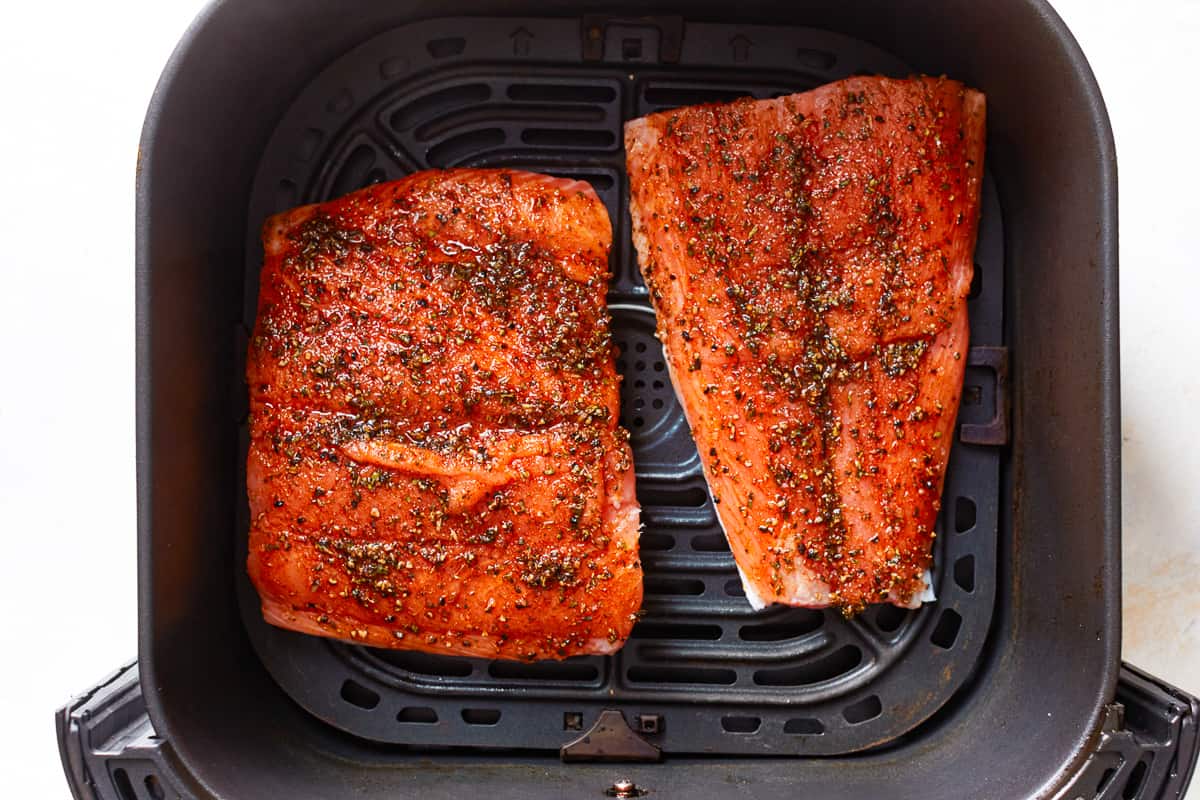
[(703, 672), (1006, 688)]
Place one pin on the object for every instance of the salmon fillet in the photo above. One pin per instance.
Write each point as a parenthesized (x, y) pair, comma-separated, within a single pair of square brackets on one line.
[(435, 462), (809, 259)]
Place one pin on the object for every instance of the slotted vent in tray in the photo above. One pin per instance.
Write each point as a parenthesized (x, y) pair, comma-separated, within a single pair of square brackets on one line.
[(702, 672)]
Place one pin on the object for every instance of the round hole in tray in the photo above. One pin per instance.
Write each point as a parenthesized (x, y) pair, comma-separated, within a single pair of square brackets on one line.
[(804, 725), (866, 709), (976, 282), (417, 715), (964, 573), (964, 514), (736, 723), (946, 631), (481, 716), (356, 694), (649, 410), (889, 618)]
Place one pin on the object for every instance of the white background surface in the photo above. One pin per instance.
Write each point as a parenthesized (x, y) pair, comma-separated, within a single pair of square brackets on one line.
[(75, 79)]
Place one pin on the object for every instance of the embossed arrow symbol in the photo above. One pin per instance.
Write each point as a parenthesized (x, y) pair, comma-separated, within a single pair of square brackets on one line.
[(741, 48), (521, 41)]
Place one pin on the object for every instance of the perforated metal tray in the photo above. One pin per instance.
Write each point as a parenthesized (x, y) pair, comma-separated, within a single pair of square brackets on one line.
[(702, 673)]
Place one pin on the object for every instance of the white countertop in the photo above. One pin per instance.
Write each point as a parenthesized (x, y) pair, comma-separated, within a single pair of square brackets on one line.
[(1139, 51), (76, 78)]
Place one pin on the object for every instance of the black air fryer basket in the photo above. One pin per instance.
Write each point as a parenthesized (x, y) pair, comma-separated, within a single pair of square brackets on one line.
[(1009, 686)]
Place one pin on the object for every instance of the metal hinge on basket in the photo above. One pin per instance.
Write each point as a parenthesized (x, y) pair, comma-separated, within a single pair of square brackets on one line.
[(610, 739), (1146, 750)]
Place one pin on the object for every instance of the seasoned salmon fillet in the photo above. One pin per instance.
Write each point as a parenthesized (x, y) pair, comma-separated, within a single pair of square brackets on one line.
[(809, 259), (435, 462)]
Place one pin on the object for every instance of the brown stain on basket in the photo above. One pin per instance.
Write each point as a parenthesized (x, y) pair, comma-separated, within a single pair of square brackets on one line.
[(919, 707)]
